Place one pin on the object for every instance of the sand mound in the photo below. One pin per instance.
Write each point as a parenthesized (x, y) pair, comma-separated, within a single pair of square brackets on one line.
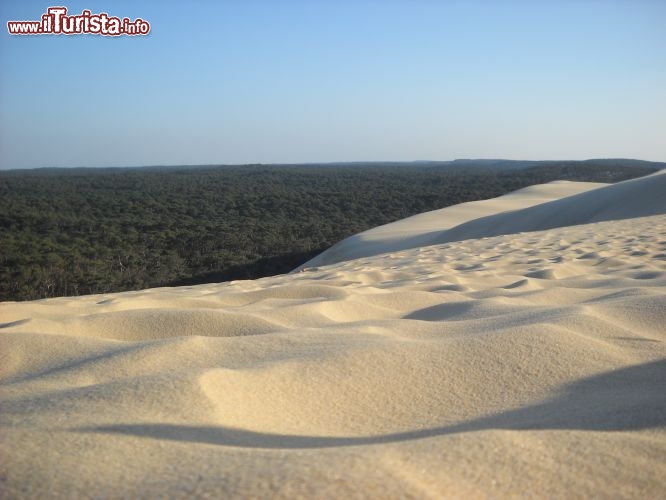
[(556, 204), (423, 229), (528, 364), (640, 197)]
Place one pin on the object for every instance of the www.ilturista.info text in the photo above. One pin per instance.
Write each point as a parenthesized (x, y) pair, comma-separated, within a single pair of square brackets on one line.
[(56, 21)]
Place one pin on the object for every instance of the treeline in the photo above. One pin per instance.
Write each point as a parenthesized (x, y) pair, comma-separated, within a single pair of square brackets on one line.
[(95, 231)]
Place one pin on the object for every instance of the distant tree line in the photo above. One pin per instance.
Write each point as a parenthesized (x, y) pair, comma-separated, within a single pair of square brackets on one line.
[(85, 231)]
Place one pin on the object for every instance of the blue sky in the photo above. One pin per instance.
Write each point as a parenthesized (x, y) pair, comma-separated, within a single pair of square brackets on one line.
[(318, 81)]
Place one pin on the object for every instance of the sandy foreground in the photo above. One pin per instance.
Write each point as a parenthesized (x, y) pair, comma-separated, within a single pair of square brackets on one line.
[(524, 364)]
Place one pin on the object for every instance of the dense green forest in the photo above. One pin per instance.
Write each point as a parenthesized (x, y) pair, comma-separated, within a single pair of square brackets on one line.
[(83, 231)]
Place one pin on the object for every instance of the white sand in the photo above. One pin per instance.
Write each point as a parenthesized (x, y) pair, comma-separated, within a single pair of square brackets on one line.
[(528, 365), (426, 228)]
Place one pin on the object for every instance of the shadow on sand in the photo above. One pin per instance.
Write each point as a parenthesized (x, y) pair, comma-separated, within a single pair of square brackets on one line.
[(627, 399)]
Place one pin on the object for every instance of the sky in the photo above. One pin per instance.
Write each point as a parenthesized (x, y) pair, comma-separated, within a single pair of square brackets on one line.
[(235, 82)]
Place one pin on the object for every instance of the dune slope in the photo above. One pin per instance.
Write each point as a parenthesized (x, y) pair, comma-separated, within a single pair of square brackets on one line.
[(424, 229), (535, 208), (529, 364), (640, 197)]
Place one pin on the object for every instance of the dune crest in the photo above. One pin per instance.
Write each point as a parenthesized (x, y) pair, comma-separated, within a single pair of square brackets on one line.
[(535, 208), (528, 363), (423, 229)]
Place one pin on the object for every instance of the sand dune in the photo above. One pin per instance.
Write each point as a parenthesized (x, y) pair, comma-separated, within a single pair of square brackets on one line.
[(423, 229), (535, 208), (523, 364)]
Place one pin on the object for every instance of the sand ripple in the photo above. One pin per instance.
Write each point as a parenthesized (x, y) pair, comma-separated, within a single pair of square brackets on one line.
[(531, 362)]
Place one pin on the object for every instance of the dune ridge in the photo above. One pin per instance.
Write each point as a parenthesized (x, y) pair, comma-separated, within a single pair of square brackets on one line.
[(556, 204), (423, 229), (522, 364)]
